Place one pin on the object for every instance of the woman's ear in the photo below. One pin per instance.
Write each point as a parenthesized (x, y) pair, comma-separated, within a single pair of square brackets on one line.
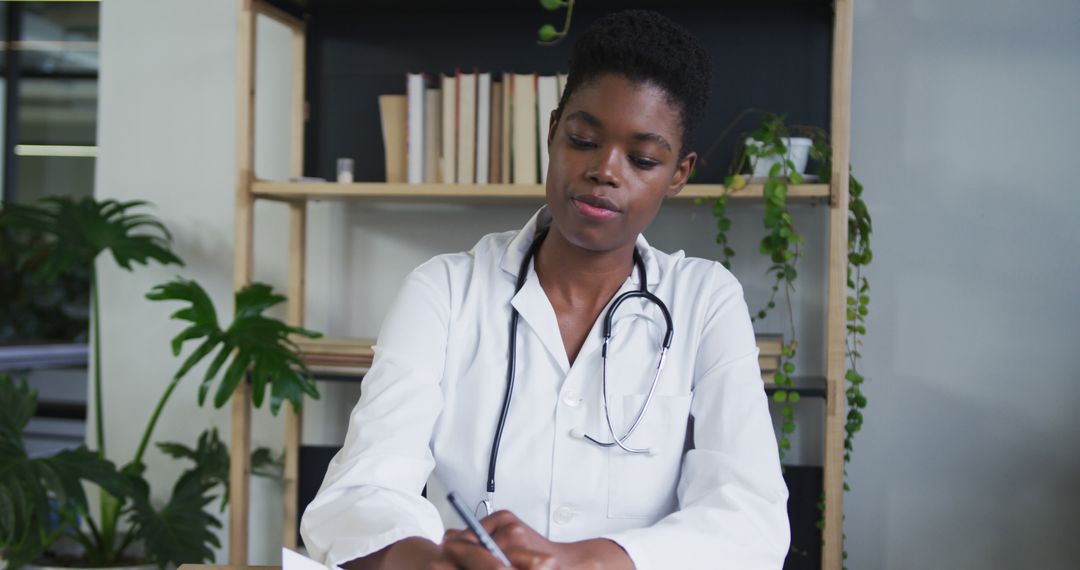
[(553, 123), (681, 175)]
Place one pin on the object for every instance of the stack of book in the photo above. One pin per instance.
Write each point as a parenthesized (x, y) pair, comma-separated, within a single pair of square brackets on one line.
[(335, 355), (769, 347), (470, 128)]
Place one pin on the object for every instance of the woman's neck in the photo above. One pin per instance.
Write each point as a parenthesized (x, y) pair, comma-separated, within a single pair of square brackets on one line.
[(581, 277)]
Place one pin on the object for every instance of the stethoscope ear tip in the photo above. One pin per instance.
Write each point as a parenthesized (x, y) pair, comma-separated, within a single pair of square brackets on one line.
[(577, 433), (652, 452)]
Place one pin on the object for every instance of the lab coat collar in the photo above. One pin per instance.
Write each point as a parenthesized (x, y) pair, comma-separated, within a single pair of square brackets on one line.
[(519, 246)]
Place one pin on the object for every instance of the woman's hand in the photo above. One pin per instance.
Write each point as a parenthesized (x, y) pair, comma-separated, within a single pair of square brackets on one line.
[(467, 553), (514, 536)]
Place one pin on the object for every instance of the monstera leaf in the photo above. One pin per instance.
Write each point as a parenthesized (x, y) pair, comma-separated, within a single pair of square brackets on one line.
[(211, 458), (180, 532), (38, 496), (253, 342), (77, 230)]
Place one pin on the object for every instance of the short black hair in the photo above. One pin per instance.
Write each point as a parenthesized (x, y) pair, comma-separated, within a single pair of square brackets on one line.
[(645, 47)]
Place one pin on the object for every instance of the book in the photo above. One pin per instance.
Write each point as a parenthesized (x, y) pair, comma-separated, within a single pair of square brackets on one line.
[(466, 128), (393, 114), (448, 86), (769, 363), (547, 98), (483, 127), (769, 378), (414, 90), (523, 130), (770, 343), (495, 158), (432, 133), (504, 152)]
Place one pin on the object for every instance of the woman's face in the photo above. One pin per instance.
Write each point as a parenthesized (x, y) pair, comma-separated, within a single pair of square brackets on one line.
[(613, 159)]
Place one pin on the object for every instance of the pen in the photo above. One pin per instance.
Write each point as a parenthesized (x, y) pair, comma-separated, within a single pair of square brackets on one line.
[(474, 525)]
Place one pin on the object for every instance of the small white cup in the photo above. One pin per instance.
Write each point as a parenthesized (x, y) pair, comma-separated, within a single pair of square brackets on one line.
[(345, 170)]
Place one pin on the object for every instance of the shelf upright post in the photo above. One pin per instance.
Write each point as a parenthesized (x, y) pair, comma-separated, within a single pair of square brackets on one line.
[(297, 269), (243, 250), (835, 419)]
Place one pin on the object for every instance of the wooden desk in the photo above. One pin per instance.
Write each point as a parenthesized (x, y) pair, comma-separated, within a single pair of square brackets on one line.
[(224, 567)]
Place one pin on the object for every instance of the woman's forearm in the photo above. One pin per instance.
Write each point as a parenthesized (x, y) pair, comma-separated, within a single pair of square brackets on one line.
[(595, 554), (412, 552)]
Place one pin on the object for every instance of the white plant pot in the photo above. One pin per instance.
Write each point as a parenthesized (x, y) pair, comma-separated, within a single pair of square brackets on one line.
[(798, 153)]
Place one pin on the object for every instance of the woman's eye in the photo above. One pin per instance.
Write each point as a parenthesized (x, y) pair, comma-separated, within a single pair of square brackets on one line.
[(581, 143), (644, 163)]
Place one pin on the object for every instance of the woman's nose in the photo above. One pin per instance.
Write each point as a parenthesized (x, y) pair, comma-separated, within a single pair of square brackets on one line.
[(605, 168)]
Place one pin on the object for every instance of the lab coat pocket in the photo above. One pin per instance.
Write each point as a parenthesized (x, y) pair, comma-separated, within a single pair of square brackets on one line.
[(643, 485)]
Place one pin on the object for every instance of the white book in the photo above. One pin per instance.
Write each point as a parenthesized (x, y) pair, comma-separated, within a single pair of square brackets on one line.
[(483, 127), (466, 148), (547, 99), (448, 162), (415, 93)]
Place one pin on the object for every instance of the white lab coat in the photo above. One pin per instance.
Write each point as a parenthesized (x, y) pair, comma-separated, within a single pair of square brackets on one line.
[(430, 403)]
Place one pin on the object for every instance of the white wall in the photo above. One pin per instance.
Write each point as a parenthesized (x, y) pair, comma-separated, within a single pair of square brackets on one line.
[(965, 454), (965, 122), (164, 135)]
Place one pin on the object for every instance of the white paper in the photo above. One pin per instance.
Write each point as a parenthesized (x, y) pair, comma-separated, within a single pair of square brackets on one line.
[(292, 560)]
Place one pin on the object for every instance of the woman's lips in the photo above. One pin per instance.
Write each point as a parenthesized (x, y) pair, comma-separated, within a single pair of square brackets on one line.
[(594, 212)]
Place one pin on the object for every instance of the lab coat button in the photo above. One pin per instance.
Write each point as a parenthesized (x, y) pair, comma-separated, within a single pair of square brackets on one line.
[(564, 515), (571, 399)]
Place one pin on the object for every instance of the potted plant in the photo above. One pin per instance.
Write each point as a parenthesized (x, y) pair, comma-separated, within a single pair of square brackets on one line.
[(770, 144), (42, 501)]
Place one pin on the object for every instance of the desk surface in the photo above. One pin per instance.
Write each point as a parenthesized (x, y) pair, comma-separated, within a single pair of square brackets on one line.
[(224, 567)]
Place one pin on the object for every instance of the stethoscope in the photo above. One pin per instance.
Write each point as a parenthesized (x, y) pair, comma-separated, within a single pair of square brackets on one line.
[(486, 506)]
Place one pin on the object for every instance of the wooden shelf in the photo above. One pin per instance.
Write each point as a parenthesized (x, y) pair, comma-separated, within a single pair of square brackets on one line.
[(486, 193), (336, 358)]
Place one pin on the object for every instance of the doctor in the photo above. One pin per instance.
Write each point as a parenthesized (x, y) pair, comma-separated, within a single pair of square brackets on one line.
[(431, 405)]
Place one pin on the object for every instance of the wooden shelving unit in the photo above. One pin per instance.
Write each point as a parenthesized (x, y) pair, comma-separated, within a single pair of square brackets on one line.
[(358, 352), (487, 193)]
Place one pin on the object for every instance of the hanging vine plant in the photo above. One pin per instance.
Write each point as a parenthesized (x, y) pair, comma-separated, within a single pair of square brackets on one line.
[(768, 142), (781, 244), (547, 34)]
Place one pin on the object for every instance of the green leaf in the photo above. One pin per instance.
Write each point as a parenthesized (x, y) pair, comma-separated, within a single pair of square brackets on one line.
[(547, 33), (789, 367), (794, 397), (211, 459), (77, 230), (788, 427), (255, 342), (265, 464), (17, 405), (779, 396), (181, 531), (33, 490), (552, 4)]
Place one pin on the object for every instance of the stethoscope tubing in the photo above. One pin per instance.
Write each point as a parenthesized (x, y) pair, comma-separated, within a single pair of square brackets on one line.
[(642, 291)]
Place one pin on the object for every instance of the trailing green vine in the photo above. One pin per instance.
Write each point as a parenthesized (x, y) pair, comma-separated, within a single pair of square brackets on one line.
[(858, 301), (768, 141), (547, 33)]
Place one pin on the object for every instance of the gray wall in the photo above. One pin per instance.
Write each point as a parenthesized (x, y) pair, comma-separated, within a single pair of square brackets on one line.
[(964, 122)]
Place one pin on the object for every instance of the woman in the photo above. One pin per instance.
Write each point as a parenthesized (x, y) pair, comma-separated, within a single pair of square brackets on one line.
[(433, 401)]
